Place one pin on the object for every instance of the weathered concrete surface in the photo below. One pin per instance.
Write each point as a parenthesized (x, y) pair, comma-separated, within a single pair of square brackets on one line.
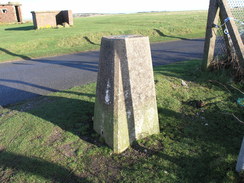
[(125, 108), (240, 162)]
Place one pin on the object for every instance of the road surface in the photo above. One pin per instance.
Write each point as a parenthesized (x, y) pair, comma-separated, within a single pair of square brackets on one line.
[(22, 80)]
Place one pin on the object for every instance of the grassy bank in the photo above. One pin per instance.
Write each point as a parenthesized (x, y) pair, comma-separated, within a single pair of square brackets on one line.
[(50, 139), (20, 41)]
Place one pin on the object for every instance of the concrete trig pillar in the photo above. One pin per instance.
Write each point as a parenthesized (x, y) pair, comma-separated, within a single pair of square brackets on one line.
[(125, 108)]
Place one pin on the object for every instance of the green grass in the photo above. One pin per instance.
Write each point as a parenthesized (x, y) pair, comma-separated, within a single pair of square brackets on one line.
[(20, 41), (50, 139)]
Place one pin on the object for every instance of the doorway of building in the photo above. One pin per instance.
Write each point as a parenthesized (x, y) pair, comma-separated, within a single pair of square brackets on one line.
[(17, 13)]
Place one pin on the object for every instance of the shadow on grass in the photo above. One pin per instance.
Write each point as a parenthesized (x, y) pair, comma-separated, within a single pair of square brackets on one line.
[(39, 167), (26, 28), (69, 114), (72, 114), (191, 71), (89, 41), (195, 151), (160, 33), (15, 54)]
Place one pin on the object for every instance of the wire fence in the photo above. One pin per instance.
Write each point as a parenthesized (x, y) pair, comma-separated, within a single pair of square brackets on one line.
[(224, 55), (237, 10)]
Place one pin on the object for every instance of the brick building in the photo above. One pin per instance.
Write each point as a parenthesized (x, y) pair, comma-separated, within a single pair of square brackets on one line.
[(46, 19), (10, 13)]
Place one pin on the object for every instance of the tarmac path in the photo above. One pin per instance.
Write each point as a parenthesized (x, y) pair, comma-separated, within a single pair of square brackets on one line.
[(22, 80)]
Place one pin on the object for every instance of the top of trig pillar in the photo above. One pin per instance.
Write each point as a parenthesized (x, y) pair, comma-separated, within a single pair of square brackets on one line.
[(123, 36)]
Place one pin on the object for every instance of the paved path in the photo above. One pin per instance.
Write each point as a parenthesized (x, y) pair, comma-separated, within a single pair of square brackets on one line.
[(23, 80)]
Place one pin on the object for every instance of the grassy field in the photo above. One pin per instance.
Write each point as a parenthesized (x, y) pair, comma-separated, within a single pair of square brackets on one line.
[(20, 41), (50, 139)]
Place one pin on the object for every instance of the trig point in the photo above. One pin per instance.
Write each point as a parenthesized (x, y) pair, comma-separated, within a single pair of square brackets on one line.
[(125, 108)]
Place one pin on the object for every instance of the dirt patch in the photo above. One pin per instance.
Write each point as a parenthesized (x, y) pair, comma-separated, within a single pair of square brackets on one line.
[(5, 175), (108, 168), (67, 150), (2, 148), (57, 135), (38, 137), (103, 168), (133, 154)]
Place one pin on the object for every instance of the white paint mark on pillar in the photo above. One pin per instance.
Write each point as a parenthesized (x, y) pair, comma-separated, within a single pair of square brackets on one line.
[(128, 114), (126, 94), (107, 93)]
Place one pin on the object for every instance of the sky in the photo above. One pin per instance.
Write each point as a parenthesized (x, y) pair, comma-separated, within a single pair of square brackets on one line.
[(109, 6)]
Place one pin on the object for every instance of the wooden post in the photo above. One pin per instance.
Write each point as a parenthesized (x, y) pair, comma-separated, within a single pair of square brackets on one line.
[(210, 38), (233, 31)]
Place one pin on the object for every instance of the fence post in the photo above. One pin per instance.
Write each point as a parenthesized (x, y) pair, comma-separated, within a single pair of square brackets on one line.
[(210, 38)]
